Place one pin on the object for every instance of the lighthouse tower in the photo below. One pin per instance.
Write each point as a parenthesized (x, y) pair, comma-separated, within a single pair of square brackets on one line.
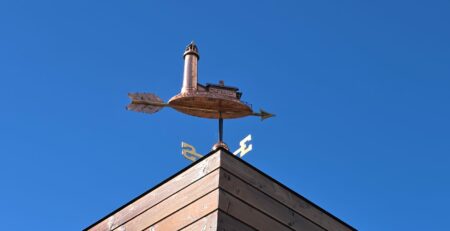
[(190, 78)]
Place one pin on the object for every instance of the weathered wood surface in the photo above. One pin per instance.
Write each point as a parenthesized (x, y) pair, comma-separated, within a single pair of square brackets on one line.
[(227, 223), (247, 214), (157, 195), (188, 214), (207, 223), (278, 192), (175, 202), (264, 203)]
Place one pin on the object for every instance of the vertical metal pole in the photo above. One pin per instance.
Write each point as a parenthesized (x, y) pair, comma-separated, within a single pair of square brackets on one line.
[(220, 130), (220, 144)]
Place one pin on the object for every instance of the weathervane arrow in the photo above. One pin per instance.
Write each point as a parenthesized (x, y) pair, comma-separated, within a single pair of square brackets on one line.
[(213, 101), (150, 103)]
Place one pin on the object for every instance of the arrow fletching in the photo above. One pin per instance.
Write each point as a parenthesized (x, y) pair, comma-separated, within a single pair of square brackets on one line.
[(145, 102)]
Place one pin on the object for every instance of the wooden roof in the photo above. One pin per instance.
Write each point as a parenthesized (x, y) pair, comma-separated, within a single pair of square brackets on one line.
[(220, 192)]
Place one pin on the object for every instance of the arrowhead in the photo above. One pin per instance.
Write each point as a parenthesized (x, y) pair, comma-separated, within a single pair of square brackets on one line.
[(265, 115)]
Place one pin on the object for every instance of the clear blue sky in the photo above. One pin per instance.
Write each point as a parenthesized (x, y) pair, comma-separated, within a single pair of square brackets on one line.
[(361, 90)]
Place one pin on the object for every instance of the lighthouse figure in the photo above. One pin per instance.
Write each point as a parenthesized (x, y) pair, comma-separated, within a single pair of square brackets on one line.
[(214, 101)]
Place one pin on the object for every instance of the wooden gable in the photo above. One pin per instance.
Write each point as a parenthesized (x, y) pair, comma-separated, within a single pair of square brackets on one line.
[(220, 192)]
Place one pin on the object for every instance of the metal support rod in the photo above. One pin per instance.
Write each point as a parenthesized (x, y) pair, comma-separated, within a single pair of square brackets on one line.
[(220, 144), (220, 128)]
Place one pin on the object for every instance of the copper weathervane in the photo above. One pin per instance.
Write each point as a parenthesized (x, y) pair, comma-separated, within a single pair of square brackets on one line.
[(213, 101)]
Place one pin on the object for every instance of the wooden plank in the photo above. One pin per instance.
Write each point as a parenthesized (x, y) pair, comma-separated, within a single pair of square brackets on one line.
[(247, 214), (160, 193), (264, 203), (188, 214), (227, 223), (218, 221), (278, 192), (175, 202), (207, 223)]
